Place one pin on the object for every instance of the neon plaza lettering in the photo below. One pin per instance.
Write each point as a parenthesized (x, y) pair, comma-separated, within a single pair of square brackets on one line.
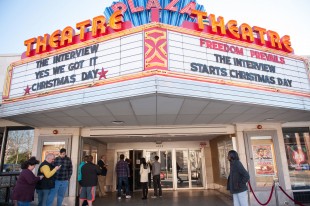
[(98, 26)]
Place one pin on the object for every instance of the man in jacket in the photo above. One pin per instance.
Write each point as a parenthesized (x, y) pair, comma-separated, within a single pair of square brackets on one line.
[(102, 176), (156, 178), (123, 173), (62, 177), (237, 180), (46, 184), (89, 181)]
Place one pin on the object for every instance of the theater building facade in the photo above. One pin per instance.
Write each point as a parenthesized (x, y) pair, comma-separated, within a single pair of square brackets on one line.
[(166, 78)]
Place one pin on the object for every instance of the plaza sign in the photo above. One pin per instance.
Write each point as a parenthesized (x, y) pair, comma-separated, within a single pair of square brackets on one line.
[(99, 27)]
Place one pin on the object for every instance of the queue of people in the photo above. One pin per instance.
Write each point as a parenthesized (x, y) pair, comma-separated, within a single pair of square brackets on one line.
[(54, 175)]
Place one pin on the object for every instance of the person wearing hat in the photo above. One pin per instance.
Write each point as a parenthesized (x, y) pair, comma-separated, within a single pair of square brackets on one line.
[(23, 191)]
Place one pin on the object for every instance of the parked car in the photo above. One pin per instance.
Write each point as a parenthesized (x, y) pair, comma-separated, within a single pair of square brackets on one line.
[(11, 168)]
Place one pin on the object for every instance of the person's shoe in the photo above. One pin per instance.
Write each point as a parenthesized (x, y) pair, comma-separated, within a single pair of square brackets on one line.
[(160, 196), (128, 196), (154, 197), (119, 198), (144, 198)]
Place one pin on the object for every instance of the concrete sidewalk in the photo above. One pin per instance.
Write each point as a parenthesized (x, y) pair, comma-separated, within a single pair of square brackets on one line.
[(180, 198)]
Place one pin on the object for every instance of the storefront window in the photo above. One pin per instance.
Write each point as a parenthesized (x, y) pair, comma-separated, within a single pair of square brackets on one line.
[(18, 148), (297, 145)]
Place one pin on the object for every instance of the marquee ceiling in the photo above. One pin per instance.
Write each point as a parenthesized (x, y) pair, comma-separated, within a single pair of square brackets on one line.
[(157, 110)]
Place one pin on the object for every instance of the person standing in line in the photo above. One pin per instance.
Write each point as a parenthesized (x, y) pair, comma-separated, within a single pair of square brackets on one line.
[(23, 191), (130, 179), (144, 177), (156, 178), (123, 173), (178, 170), (150, 174), (47, 183), (89, 181), (237, 179), (102, 177), (85, 159), (62, 177)]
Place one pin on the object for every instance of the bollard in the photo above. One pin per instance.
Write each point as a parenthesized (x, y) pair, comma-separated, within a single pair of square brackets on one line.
[(276, 184)]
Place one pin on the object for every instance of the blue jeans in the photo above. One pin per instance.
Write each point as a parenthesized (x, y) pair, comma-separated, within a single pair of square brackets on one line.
[(42, 197), (120, 180), (20, 203), (60, 189), (241, 199)]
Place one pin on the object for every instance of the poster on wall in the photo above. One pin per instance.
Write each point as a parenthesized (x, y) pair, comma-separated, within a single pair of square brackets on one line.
[(297, 157), (263, 160)]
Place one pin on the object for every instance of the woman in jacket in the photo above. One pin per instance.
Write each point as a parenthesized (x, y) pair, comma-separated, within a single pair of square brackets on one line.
[(144, 176), (24, 190), (238, 177)]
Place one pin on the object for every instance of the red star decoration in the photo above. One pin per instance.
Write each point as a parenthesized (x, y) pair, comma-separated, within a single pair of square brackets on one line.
[(102, 73), (27, 90)]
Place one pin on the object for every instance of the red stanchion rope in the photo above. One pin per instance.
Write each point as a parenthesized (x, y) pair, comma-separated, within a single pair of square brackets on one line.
[(295, 201), (271, 192)]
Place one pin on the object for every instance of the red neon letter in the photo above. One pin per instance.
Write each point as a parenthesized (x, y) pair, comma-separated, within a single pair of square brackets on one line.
[(81, 26), (116, 20), (188, 8), (274, 39), (67, 35), (132, 7), (246, 31), (231, 26), (215, 24), (29, 43), (98, 24), (153, 4), (200, 17), (171, 7), (261, 33), (286, 41), (42, 42), (119, 6), (54, 39)]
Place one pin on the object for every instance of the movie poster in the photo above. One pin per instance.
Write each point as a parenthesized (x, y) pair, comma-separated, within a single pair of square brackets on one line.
[(297, 157), (263, 160)]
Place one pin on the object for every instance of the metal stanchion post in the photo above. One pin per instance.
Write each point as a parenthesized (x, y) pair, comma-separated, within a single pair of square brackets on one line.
[(276, 185)]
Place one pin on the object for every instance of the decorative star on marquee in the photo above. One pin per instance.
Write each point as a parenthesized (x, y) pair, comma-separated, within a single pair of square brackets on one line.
[(102, 74), (27, 90)]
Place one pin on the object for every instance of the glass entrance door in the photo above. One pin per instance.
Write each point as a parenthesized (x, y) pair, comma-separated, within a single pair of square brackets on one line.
[(166, 173), (182, 168), (195, 165), (136, 155), (188, 168)]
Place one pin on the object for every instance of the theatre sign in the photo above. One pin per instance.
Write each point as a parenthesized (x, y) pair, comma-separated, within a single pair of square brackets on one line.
[(137, 39)]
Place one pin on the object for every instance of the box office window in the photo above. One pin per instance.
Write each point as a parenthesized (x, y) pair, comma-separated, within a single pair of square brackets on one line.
[(297, 145)]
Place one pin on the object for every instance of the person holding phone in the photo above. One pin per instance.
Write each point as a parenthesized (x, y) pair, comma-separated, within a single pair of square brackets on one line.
[(46, 185), (62, 177)]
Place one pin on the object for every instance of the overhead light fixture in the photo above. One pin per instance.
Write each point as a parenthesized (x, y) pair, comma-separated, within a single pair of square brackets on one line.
[(118, 122), (269, 119), (158, 142)]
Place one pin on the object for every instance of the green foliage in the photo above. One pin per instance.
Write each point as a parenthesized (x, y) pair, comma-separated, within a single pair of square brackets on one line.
[(21, 158)]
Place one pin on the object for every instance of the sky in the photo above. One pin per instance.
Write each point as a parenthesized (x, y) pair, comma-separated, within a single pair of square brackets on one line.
[(23, 19)]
